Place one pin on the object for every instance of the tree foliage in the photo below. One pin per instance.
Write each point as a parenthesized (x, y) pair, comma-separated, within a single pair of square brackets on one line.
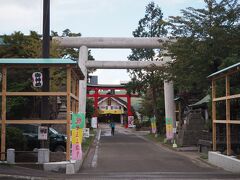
[(151, 25), (18, 45), (208, 40), (89, 108)]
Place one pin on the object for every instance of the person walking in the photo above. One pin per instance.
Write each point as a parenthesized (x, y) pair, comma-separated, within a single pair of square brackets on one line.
[(112, 125)]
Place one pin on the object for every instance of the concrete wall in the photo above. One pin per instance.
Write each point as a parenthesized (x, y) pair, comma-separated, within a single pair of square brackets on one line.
[(226, 162)]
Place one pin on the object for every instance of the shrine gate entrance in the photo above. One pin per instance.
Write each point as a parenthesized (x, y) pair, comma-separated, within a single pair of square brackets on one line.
[(109, 109)]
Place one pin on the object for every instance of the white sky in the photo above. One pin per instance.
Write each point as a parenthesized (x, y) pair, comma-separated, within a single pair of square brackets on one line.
[(92, 18)]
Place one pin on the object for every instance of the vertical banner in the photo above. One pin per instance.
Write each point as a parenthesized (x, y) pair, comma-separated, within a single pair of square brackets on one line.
[(153, 125), (77, 136), (78, 120), (76, 151), (130, 121), (169, 128), (78, 123)]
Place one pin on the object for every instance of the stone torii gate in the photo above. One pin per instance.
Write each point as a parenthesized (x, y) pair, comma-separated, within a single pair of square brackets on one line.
[(114, 42)]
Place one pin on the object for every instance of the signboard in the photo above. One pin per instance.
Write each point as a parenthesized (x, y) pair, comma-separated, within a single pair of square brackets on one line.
[(86, 132), (78, 120), (169, 128), (153, 125), (78, 123), (42, 132), (131, 121), (94, 122), (110, 111), (37, 78)]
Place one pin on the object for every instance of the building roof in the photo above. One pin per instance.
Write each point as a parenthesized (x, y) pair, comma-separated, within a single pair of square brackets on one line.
[(229, 68), (203, 101), (41, 61), (116, 99), (48, 61)]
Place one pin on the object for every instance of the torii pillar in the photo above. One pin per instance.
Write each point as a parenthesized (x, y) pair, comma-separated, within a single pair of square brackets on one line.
[(83, 57), (170, 107), (129, 111)]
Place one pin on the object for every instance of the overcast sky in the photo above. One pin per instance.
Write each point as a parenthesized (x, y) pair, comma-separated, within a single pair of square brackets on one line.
[(92, 18)]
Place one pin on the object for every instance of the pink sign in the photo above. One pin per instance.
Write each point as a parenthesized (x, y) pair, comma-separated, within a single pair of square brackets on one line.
[(76, 151), (130, 121)]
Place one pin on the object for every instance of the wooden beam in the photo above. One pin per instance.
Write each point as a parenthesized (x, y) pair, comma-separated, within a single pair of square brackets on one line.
[(68, 145), (227, 122), (234, 122), (76, 94), (77, 104), (220, 76), (219, 121), (3, 123), (36, 94), (30, 121), (74, 97), (73, 86), (74, 74), (228, 133), (235, 96), (214, 138), (227, 99), (219, 99), (228, 129)]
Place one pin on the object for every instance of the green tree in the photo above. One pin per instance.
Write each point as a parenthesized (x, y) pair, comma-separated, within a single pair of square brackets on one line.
[(89, 108), (72, 53), (151, 25), (208, 40), (18, 45)]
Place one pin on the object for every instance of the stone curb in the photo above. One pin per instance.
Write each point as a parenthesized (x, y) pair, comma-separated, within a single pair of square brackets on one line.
[(23, 177)]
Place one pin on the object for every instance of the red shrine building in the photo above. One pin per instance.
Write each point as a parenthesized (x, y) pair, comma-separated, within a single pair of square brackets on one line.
[(111, 103)]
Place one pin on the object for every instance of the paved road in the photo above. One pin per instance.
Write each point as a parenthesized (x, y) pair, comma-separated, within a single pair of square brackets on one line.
[(130, 156)]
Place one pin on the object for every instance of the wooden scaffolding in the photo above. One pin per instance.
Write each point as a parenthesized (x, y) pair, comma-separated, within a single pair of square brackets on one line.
[(74, 74), (221, 81)]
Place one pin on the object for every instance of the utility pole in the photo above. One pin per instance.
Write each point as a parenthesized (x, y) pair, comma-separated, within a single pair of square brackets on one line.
[(45, 54)]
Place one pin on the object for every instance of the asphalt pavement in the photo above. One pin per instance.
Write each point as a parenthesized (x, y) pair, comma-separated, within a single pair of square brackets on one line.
[(129, 155)]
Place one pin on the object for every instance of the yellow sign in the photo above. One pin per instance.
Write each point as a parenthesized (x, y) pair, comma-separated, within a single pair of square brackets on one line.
[(77, 136), (111, 111)]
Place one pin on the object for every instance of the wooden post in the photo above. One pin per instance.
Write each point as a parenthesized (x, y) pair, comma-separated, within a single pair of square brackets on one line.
[(214, 115), (68, 145), (4, 90), (228, 128), (74, 92), (77, 91)]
